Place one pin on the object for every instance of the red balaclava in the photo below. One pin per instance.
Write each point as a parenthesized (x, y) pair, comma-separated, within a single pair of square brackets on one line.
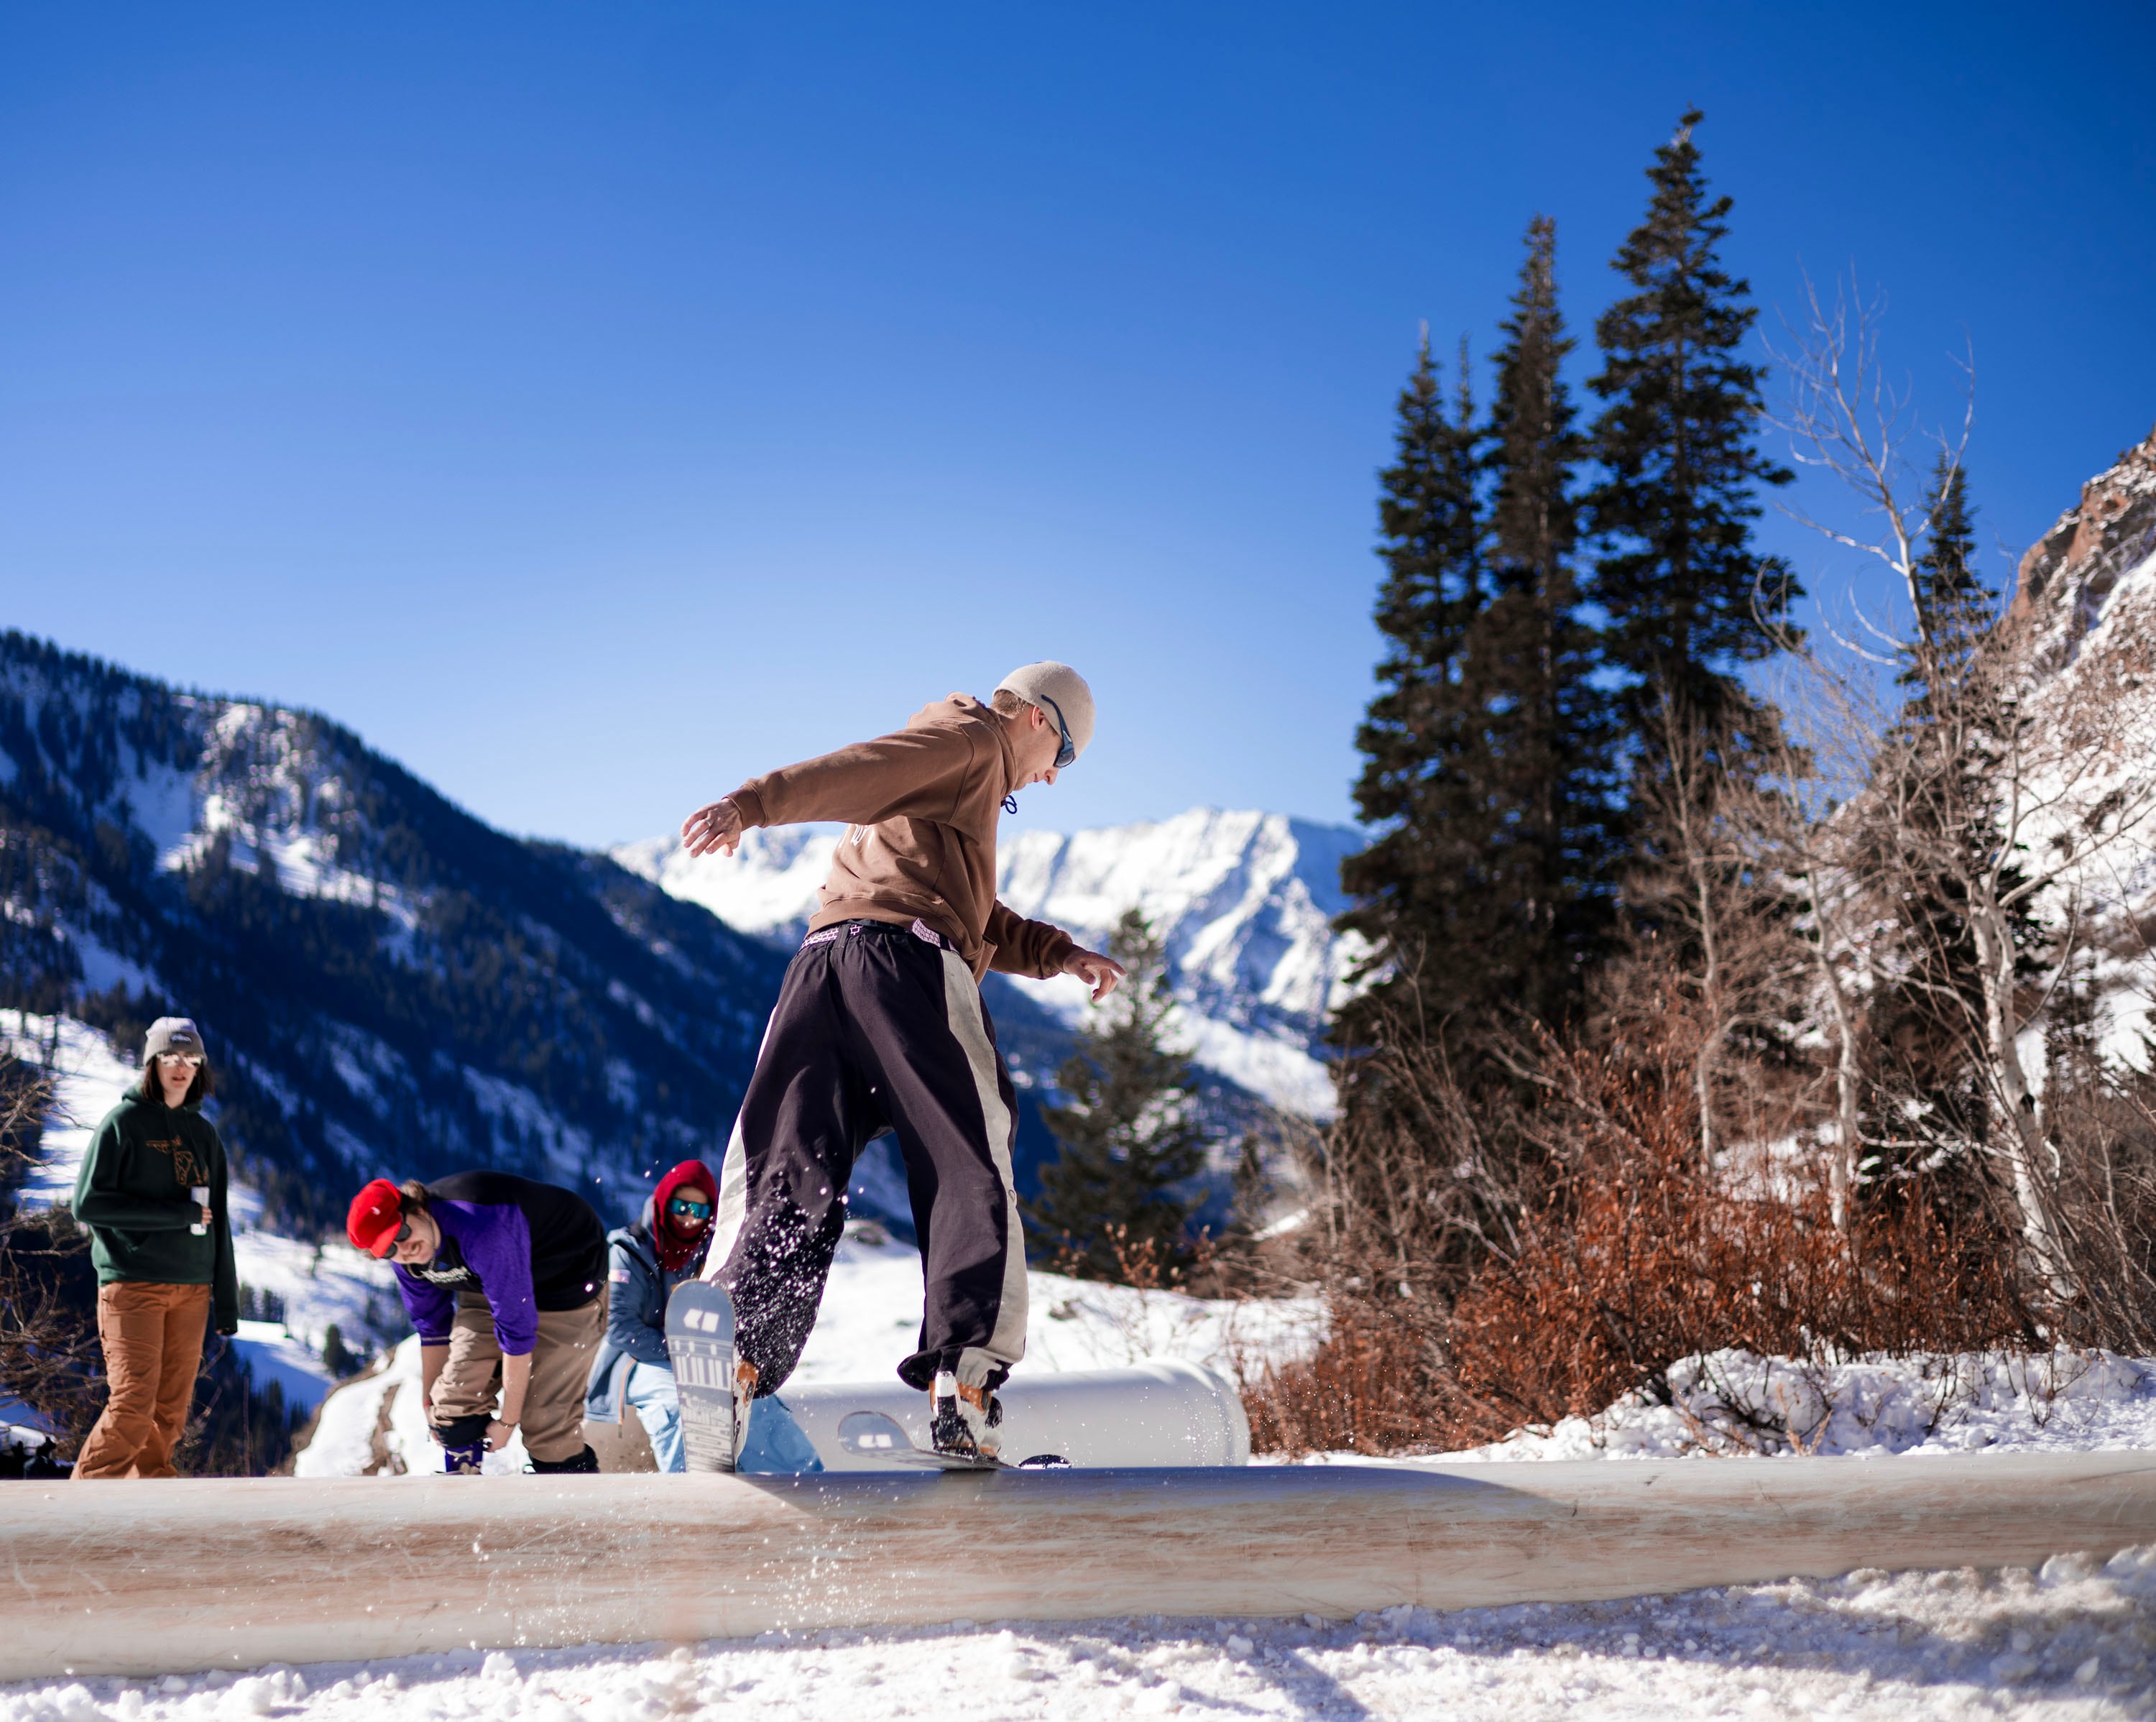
[(675, 1248)]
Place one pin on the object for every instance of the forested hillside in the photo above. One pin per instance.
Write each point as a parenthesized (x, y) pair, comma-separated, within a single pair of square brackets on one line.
[(388, 984)]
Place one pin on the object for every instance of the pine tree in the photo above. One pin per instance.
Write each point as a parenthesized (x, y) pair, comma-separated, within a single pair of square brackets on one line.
[(1952, 604), (1431, 533), (1488, 892), (1937, 770), (1547, 842), (1680, 584), (337, 1356), (1130, 1134)]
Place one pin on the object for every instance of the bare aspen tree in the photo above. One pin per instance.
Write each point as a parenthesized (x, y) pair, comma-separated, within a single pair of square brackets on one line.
[(1718, 842), (1998, 791)]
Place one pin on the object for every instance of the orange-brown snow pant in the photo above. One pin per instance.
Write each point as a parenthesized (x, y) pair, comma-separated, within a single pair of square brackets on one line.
[(152, 1336), (470, 1381)]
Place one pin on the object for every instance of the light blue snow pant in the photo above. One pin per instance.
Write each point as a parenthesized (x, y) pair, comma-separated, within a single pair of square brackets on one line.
[(775, 1440)]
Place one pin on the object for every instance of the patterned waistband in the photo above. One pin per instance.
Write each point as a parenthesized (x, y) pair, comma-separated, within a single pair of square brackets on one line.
[(853, 929)]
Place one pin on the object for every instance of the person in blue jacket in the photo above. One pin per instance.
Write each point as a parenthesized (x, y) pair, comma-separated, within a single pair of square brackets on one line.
[(645, 1262)]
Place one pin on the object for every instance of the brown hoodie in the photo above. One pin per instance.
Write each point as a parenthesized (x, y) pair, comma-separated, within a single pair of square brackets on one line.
[(920, 807)]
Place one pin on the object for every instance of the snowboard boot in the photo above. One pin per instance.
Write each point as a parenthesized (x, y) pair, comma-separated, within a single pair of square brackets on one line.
[(963, 1419), (581, 1464), (744, 1402), (464, 1443)]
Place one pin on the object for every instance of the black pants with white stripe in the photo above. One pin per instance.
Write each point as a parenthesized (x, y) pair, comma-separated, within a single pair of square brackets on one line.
[(877, 1027)]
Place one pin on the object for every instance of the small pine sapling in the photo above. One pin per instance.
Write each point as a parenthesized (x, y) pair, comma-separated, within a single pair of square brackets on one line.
[(1130, 1135)]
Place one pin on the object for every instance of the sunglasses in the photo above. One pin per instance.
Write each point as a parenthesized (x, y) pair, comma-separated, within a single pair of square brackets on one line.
[(1069, 751), (191, 1059), (685, 1208)]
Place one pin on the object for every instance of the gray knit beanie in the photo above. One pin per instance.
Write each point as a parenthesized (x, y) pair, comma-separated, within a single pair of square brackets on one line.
[(174, 1034), (1054, 688)]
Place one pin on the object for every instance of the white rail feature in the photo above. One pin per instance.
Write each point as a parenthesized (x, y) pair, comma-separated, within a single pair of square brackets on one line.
[(1166, 1413), (143, 1578)]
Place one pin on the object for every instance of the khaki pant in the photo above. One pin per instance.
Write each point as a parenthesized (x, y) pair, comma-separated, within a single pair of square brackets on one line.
[(152, 1336), (470, 1381)]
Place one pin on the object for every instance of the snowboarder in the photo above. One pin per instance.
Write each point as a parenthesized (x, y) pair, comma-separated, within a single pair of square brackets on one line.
[(879, 1025), (645, 1262), (504, 1279), (151, 1195)]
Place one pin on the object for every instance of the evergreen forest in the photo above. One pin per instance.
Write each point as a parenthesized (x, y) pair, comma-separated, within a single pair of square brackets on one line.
[(1726, 986)]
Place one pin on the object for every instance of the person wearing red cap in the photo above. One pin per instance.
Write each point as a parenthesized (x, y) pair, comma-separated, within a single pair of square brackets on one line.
[(504, 1280)]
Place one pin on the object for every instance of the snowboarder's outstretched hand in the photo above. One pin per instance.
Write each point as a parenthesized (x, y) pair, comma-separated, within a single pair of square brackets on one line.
[(1098, 972), (716, 826)]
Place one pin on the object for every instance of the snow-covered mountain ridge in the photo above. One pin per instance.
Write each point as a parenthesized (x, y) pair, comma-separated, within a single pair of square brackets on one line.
[(388, 983), (1244, 900), (2085, 596)]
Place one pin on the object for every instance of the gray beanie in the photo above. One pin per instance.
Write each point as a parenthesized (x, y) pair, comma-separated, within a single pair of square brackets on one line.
[(174, 1034), (1055, 688)]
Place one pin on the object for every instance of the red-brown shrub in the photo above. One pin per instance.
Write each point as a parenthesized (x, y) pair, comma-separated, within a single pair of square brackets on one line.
[(1637, 1254)]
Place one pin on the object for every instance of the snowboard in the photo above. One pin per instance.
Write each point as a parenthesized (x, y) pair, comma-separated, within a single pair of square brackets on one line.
[(871, 1434), (700, 1343)]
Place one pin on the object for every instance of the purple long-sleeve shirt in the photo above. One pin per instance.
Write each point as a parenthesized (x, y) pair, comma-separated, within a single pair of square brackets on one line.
[(527, 1246)]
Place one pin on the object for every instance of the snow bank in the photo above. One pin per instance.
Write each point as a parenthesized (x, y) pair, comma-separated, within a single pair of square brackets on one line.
[(1734, 1402), (1737, 1404), (2073, 1640)]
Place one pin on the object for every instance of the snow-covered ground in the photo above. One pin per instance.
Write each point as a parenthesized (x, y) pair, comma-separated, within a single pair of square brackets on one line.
[(2073, 1640), (1734, 1403)]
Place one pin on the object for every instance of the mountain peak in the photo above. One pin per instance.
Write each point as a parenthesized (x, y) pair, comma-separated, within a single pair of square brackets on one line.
[(2068, 577), (1244, 900)]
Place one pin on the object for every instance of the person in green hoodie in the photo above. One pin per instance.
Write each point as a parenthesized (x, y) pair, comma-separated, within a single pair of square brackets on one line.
[(151, 1195)]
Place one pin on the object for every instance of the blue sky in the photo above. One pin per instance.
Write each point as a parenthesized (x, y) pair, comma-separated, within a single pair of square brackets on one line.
[(592, 405)]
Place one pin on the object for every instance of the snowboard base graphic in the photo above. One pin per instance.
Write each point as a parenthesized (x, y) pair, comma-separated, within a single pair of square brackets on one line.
[(700, 1343), (871, 1434)]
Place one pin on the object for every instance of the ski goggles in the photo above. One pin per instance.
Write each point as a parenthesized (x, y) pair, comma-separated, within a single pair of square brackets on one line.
[(682, 1207), (1069, 751)]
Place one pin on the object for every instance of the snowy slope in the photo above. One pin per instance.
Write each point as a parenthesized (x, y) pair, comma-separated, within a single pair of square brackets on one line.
[(1244, 900), (2085, 599)]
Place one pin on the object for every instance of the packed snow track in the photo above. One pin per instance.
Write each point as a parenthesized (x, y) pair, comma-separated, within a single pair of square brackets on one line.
[(280, 1570)]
